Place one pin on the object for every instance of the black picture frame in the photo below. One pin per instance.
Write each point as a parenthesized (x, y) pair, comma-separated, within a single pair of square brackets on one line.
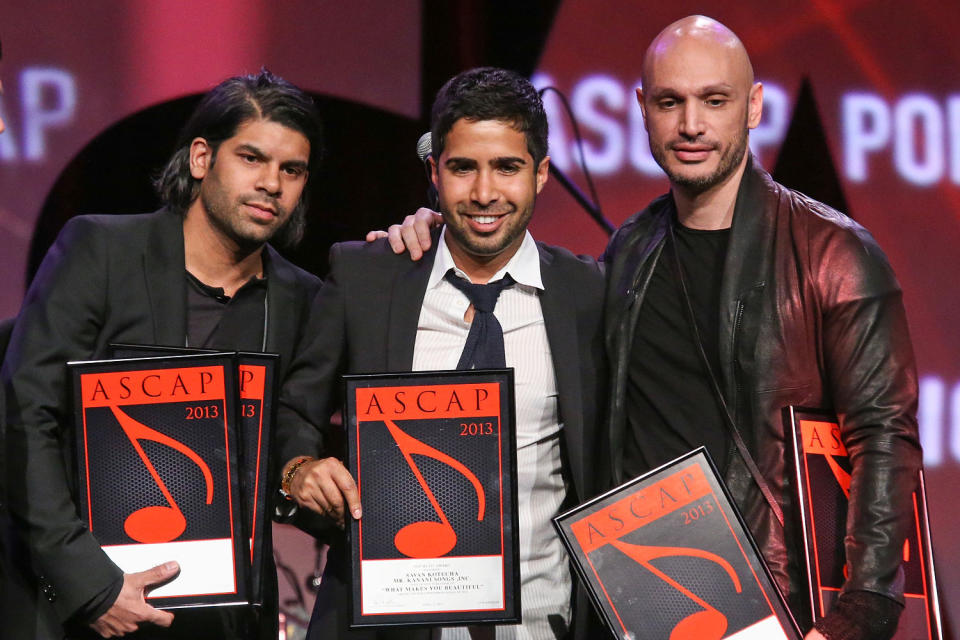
[(668, 553), (256, 415), (157, 475), (822, 468), (258, 391), (434, 457)]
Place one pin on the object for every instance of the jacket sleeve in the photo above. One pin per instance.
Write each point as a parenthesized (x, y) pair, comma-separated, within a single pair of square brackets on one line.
[(872, 376), (308, 395), (60, 320)]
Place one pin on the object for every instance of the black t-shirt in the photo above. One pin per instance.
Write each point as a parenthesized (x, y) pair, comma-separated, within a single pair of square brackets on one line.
[(671, 406), (217, 321)]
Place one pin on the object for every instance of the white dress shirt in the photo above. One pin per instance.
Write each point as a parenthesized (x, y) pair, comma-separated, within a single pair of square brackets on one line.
[(441, 334)]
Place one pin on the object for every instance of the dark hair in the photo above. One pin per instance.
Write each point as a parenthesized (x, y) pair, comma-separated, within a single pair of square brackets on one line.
[(488, 93), (222, 111)]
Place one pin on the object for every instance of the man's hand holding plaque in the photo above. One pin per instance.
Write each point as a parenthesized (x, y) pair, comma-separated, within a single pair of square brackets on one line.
[(131, 609), (325, 486)]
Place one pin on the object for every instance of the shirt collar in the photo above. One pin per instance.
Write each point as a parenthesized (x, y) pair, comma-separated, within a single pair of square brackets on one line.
[(523, 267)]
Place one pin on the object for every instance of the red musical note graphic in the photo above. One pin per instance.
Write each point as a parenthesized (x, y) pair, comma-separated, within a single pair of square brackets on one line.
[(843, 478), (708, 624), (427, 539), (158, 523)]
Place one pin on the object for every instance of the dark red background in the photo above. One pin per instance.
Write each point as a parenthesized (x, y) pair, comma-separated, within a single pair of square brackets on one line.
[(122, 56), (883, 48)]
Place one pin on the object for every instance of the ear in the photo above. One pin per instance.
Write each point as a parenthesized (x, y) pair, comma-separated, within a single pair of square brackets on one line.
[(543, 173), (434, 177), (755, 105), (201, 158), (643, 107)]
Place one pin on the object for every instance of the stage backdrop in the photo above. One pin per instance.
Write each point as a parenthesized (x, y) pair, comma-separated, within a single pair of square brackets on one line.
[(883, 78), (71, 69), (887, 90)]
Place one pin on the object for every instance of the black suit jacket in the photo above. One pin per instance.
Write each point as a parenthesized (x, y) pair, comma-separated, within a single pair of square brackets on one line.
[(366, 321), (106, 279)]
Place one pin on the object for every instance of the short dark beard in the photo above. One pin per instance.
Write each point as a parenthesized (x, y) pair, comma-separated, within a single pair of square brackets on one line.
[(464, 240), (728, 165), (482, 252), (702, 184)]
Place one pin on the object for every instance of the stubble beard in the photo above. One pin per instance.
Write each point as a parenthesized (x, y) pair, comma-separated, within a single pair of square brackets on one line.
[(227, 217), (481, 249), (696, 185)]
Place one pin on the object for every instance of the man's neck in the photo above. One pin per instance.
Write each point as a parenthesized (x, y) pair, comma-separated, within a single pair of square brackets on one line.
[(215, 260), (711, 209), (480, 268)]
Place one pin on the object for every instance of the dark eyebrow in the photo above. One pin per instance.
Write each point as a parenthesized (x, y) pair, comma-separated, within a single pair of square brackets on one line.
[(723, 88), (459, 161), (249, 148), (501, 161), (295, 164), (261, 155), (661, 92)]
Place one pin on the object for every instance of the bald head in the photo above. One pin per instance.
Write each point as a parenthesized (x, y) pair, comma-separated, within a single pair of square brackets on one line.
[(699, 102), (695, 37)]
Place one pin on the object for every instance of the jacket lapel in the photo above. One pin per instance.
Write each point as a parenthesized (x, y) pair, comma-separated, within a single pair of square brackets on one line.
[(164, 280), (560, 321), (627, 279), (406, 299), (283, 305), (624, 283), (744, 274)]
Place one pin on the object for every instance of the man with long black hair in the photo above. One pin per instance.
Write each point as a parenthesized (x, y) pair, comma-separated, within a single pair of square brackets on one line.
[(197, 273)]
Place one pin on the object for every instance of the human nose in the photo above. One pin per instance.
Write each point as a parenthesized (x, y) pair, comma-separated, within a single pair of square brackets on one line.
[(691, 124), (269, 179), (484, 189)]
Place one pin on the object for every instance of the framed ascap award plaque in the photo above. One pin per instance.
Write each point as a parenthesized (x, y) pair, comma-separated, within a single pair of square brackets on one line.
[(256, 386), (434, 458), (823, 493), (257, 389), (666, 555), (157, 466)]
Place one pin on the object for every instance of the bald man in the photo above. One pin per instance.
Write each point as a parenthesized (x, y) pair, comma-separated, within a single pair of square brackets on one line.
[(732, 297)]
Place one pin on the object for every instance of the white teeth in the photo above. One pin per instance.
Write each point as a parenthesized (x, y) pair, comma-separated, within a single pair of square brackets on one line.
[(485, 219)]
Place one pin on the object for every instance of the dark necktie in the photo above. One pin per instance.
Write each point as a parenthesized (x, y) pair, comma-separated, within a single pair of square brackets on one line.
[(484, 347)]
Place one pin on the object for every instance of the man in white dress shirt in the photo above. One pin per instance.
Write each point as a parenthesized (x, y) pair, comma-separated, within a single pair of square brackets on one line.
[(383, 313)]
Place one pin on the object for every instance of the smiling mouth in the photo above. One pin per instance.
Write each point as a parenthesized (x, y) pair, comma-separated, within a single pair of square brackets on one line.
[(485, 222)]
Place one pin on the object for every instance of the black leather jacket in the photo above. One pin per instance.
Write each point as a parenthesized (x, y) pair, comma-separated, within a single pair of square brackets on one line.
[(810, 315)]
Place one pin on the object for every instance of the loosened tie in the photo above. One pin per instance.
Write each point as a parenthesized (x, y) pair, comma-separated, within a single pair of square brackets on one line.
[(484, 347)]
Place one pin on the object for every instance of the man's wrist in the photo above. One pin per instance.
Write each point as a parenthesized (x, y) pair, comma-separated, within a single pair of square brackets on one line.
[(289, 472), (99, 604)]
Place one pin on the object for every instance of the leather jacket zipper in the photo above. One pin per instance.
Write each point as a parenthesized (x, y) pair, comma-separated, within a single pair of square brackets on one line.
[(737, 321), (735, 401)]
